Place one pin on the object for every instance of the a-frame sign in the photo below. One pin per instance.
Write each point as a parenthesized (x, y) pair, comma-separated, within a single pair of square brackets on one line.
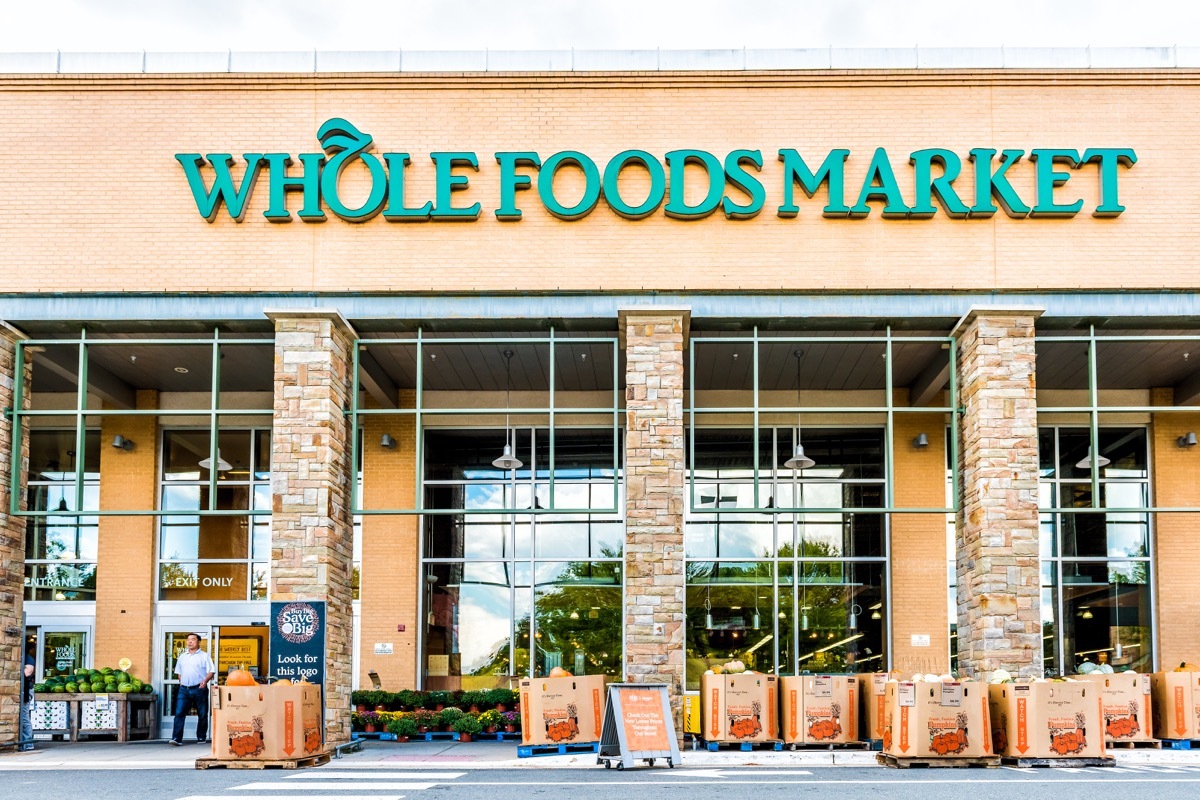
[(637, 726)]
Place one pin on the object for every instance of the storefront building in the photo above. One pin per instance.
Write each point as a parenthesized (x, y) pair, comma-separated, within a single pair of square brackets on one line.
[(629, 366)]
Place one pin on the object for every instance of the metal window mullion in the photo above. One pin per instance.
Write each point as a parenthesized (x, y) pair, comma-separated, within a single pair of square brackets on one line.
[(754, 396), (616, 431), (533, 472), (18, 430), (80, 423), (419, 432), (1094, 417), (355, 449), (214, 421), (889, 435), (691, 467)]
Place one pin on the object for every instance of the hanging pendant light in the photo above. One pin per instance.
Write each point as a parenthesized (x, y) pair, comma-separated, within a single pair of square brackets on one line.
[(507, 460), (798, 461), (708, 620), (1087, 461), (852, 622), (222, 464)]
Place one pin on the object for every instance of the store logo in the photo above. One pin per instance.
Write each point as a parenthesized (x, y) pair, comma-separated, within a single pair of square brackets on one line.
[(731, 184), (298, 623)]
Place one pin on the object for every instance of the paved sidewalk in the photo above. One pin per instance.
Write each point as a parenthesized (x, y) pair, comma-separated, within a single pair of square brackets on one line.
[(476, 755)]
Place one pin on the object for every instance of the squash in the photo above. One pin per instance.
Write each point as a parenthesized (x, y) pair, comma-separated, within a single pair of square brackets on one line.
[(559, 672), (1186, 667), (283, 682), (240, 677)]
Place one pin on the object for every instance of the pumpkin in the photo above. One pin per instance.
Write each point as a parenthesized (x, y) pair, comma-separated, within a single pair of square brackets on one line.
[(240, 677), (559, 672), (1186, 667), (283, 682)]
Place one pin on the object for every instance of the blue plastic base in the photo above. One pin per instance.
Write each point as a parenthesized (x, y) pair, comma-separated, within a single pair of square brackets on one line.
[(1177, 744), (713, 747), (531, 750)]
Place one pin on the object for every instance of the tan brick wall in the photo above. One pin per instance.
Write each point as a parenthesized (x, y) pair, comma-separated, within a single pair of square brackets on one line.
[(63, 228), (125, 579), (919, 579), (390, 577), (1176, 472), (12, 543)]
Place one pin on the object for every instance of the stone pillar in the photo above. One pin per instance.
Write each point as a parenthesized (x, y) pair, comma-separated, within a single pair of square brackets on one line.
[(311, 526), (654, 497), (999, 575), (12, 540)]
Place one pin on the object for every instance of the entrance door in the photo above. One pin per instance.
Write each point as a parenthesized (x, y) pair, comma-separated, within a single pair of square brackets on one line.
[(173, 641)]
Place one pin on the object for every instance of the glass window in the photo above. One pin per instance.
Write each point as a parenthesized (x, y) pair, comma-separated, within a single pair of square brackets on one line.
[(61, 546)]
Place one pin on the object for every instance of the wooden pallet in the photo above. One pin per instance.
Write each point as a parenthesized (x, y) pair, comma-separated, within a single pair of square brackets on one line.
[(1026, 763), (533, 750), (834, 745), (1133, 744), (713, 747), (931, 762), (263, 763)]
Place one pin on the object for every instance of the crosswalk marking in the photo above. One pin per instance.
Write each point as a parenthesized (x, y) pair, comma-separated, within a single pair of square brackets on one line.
[(332, 785), (373, 775), (295, 797)]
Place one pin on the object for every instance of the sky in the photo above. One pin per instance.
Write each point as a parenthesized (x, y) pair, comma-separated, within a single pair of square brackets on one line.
[(207, 25)]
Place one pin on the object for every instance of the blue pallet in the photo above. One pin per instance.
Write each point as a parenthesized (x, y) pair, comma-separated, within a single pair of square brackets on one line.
[(501, 736), (713, 747), (1178, 744), (875, 745), (383, 737), (531, 750), (436, 736)]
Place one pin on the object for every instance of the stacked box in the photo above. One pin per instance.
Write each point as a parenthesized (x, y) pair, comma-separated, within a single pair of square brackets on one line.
[(739, 707), (1125, 705), (1176, 698), (923, 720), (1050, 719), (818, 709), (871, 691), (267, 722), (562, 710)]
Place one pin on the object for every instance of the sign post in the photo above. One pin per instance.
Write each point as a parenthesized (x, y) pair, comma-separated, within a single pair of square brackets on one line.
[(637, 725)]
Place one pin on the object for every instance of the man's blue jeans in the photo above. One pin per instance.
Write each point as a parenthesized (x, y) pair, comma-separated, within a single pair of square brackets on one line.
[(184, 701)]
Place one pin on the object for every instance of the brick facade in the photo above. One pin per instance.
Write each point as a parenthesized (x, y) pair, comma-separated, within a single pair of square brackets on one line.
[(997, 558), (12, 542), (311, 527), (654, 497)]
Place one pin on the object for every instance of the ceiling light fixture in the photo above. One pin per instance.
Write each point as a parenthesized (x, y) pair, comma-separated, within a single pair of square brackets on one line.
[(507, 460), (798, 461), (1087, 461), (222, 464)]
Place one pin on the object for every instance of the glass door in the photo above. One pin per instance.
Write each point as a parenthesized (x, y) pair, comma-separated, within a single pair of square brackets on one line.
[(173, 641)]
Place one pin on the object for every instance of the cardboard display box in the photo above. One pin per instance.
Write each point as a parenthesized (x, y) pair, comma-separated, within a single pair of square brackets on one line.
[(923, 720), (266, 722), (562, 710), (871, 693), (818, 709), (1176, 704), (1125, 705), (741, 707), (1051, 719)]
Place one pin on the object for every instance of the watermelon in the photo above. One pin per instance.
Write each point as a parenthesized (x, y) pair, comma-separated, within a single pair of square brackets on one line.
[(137, 684), (121, 677), (58, 688), (107, 670), (147, 689), (41, 687), (81, 673), (110, 687), (125, 688), (84, 687), (72, 687)]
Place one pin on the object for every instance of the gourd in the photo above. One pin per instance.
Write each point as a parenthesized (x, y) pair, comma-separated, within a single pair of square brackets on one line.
[(559, 672), (240, 677)]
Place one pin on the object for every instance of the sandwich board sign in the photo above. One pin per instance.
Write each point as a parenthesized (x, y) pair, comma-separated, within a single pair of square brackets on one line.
[(637, 726)]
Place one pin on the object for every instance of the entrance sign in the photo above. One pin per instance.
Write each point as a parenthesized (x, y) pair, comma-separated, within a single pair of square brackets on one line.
[(637, 726), (730, 183), (298, 641)]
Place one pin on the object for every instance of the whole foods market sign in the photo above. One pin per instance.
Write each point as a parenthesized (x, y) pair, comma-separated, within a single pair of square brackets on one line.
[(730, 182)]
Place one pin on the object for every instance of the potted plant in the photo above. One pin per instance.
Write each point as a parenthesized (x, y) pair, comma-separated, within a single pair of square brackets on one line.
[(512, 721), (437, 700), (370, 720), (359, 699), (403, 727), (356, 719), (466, 726), (425, 719), (472, 700), (408, 699), (450, 715), (499, 698), (490, 720)]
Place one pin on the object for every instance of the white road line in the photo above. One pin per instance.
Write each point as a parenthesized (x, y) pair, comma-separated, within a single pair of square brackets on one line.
[(381, 775), (295, 797), (1019, 769), (333, 785), (897, 781)]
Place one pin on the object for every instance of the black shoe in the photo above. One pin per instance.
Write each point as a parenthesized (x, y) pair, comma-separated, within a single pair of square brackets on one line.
[(202, 741), (175, 743)]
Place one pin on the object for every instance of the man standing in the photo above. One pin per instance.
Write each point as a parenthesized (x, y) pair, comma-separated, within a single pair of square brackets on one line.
[(195, 670), (26, 742)]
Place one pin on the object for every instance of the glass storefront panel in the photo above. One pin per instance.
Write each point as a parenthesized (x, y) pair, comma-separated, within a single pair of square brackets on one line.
[(579, 618), (63, 652), (60, 581), (1106, 614), (202, 581), (731, 613), (470, 621)]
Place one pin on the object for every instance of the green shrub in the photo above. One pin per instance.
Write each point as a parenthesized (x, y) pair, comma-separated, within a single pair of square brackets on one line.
[(404, 726), (468, 723)]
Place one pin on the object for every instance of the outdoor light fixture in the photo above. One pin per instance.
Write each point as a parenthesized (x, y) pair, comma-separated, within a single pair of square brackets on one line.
[(1086, 463), (922, 440), (387, 442), (708, 622), (798, 461), (206, 463), (121, 443), (62, 504), (803, 618), (507, 460), (855, 610), (1187, 440), (430, 580)]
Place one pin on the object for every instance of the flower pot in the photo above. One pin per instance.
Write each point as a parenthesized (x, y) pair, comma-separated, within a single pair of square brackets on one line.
[(474, 709), (369, 728), (380, 708), (422, 729), (510, 728), (501, 707), (490, 729), (401, 738), (361, 707), (464, 737)]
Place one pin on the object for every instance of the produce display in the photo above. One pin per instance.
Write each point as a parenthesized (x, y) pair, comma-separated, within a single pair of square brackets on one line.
[(729, 668), (105, 680)]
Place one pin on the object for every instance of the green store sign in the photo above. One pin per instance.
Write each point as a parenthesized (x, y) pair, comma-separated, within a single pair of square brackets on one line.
[(733, 183)]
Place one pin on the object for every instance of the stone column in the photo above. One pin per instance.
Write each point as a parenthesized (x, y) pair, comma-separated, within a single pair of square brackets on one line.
[(654, 497), (999, 575), (12, 540), (311, 527)]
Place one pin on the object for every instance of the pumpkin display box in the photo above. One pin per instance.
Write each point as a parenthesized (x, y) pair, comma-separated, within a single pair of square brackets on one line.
[(818, 709), (739, 707), (275, 722), (1047, 719), (562, 710), (936, 719), (1176, 703), (871, 690), (1125, 704)]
